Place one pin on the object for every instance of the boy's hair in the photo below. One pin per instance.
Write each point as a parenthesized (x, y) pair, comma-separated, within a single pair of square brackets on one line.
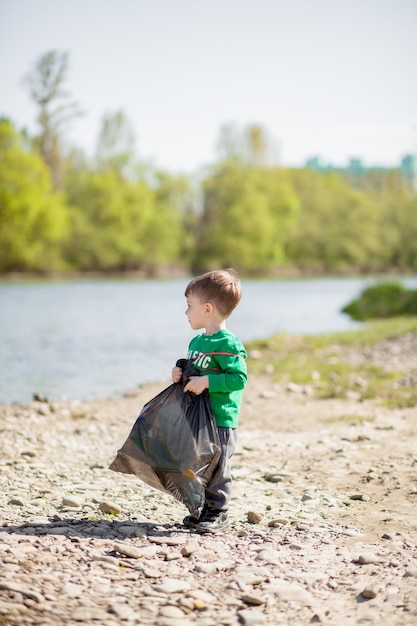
[(220, 287)]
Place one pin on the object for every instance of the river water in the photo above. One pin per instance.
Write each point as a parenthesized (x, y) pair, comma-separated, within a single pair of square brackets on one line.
[(95, 339)]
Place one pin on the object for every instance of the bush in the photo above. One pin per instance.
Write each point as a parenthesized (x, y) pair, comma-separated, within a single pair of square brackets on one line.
[(384, 300)]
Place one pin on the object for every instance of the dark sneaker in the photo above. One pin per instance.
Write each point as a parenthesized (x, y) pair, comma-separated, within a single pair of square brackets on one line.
[(190, 521), (213, 521)]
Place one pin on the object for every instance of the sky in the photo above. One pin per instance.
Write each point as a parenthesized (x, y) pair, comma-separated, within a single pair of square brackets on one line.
[(330, 78)]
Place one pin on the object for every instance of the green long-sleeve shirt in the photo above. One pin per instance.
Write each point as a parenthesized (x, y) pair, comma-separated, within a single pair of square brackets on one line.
[(221, 357)]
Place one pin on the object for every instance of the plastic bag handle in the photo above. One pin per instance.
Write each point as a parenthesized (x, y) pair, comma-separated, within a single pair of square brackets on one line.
[(182, 363)]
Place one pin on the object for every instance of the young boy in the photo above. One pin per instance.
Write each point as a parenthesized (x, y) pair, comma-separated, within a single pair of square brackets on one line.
[(220, 357)]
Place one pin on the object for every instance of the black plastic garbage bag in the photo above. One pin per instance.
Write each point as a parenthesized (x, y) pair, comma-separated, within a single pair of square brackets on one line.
[(174, 444)]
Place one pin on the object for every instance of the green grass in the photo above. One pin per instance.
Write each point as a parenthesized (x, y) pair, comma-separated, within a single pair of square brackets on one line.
[(322, 362), (351, 418)]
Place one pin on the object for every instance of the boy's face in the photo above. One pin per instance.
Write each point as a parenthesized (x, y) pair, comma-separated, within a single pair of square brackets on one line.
[(196, 312)]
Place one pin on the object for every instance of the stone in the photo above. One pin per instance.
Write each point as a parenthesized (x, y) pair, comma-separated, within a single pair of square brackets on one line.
[(90, 613), (16, 502), (73, 589), (251, 617), (253, 599), (411, 572), (206, 568), (360, 496), (128, 550), (171, 611), (254, 517), (169, 541), (72, 501), (123, 611), (172, 585), (270, 556), (370, 592), (368, 558), (191, 547), (280, 521), (273, 478), (110, 507), (291, 592)]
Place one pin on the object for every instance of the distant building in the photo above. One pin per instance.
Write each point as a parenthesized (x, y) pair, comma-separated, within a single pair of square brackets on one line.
[(315, 163), (355, 169), (408, 169)]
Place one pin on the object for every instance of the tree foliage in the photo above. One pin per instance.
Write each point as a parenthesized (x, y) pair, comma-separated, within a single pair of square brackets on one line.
[(116, 143), (337, 227), (250, 145), (34, 220), (46, 85), (246, 216)]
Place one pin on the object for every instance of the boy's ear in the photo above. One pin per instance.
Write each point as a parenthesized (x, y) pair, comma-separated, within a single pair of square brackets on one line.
[(209, 308)]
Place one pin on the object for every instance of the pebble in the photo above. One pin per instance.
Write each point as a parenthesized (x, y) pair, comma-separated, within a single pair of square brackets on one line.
[(252, 599), (191, 547), (360, 496), (16, 502), (411, 572), (171, 611), (370, 592), (173, 585), (72, 501), (251, 617), (254, 517), (169, 541), (110, 507), (128, 550), (291, 592), (270, 556), (274, 523), (368, 558)]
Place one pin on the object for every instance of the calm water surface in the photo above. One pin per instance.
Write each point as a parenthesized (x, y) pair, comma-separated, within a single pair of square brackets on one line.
[(95, 339)]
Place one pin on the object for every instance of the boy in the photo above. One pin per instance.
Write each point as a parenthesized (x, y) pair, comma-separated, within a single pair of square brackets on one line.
[(220, 357)]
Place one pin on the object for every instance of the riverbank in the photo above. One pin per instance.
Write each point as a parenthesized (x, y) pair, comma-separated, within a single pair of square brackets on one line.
[(322, 523), (174, 272)]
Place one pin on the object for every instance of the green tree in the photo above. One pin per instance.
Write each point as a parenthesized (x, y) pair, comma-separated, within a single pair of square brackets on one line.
[(33, 218), (175, 198), (251, 145), (46, 84), (116, 143), (110, 220), (247, 212), (337, 227), (397, 222)]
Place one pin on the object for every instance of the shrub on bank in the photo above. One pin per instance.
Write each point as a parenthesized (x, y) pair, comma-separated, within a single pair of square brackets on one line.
[(382, 301)]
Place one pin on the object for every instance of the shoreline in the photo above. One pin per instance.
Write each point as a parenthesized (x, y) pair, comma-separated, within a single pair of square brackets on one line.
[(291, 273)]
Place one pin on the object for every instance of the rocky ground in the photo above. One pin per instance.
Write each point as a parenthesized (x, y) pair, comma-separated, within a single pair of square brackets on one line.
[(323, 523)]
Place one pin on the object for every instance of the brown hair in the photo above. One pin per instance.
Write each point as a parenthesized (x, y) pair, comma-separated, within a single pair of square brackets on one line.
[(220, 287)]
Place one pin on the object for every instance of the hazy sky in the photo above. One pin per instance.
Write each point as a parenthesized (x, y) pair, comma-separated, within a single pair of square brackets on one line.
[(335, 78)]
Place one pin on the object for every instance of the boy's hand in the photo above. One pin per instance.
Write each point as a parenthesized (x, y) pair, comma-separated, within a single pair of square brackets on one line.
[(197, 384), (176, 374)]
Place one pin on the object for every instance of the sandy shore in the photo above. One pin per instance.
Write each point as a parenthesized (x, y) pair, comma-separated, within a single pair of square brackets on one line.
[(330, 487)]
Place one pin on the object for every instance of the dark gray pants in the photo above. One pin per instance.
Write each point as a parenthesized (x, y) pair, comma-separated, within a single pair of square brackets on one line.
[(219, 489)]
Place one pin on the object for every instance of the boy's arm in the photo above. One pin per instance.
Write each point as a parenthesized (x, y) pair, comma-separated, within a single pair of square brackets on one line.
[(232, 377)]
